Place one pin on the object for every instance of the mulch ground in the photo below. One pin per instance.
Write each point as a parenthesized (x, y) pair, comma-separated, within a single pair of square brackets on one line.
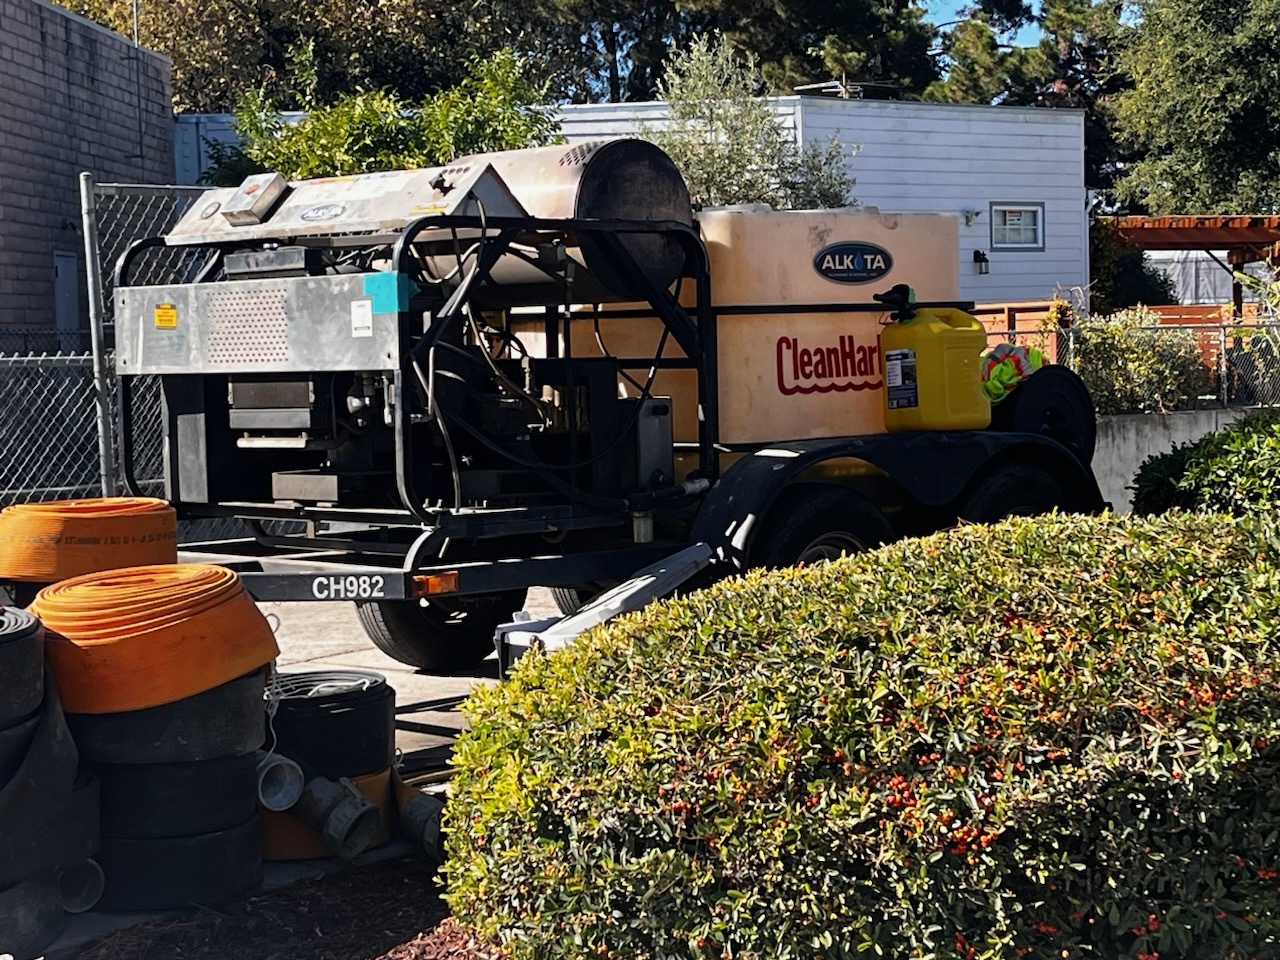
[(389, 911)]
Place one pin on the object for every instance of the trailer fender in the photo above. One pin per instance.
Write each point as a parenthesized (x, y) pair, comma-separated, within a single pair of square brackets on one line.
[(934, 469)]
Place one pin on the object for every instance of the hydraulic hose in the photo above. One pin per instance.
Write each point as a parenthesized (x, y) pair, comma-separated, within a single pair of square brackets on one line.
[(47, 542), (145, 636)]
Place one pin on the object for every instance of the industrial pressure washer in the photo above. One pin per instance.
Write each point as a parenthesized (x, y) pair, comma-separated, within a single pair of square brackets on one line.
[(542, 367)]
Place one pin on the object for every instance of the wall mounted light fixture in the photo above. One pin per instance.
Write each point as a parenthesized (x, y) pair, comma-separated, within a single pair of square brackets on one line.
[(981, 262)]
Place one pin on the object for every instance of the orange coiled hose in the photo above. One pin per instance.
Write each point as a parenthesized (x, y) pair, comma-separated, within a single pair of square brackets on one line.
[(140, 637), (45, 542)]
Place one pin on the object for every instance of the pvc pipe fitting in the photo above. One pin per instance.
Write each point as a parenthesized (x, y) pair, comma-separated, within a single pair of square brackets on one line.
[(420, 822), (80, 885), (344, 817), (420, 819), (280, 781)]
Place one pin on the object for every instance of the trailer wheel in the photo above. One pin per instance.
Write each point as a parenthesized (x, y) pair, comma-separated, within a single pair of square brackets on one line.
[(811, 523), (1016, 490), (438, 635), (572, 599)]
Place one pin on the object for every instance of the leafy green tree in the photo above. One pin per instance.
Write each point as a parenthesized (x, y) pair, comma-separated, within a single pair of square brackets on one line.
[(314, 51), (728, 143), (495, 107), (983, 70), (1203, 105), (884, 47), (1069, 67), (1121, 275)]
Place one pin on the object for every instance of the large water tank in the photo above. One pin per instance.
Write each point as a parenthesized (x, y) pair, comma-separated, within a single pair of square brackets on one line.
[(623, 179)]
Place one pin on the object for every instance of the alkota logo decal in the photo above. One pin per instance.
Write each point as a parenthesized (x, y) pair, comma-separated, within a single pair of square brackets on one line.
[(324, 211), (846, 365), (853, 262)]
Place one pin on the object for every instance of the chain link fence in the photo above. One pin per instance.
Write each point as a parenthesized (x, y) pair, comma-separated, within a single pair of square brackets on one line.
[(48, 428), (1163, 368)]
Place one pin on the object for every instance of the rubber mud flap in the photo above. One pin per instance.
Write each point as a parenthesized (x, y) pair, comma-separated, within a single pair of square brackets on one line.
[(162, 873), (21, 666), (227, 721), (31, 917), (45, 777), (70, 836), (336, 723), (177, 799)]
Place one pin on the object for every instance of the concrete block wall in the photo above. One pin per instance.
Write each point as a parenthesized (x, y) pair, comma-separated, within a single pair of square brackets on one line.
[(73, 96), (1125, 441)]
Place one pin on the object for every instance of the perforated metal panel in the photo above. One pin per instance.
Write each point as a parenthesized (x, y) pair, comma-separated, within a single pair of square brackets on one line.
[(295, 325), (580, 153), (247, 326)]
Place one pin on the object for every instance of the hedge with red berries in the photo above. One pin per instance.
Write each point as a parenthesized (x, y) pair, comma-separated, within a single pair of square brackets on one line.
[(1054, 737)]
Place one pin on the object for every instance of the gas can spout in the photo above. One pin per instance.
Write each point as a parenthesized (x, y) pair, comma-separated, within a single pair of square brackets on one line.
[(901, 298)]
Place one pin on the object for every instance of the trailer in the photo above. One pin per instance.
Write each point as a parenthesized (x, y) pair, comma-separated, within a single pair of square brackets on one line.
[(427, 391)]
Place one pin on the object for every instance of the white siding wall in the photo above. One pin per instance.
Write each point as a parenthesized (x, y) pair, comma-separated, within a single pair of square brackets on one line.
[(914, 157), (941, 158)]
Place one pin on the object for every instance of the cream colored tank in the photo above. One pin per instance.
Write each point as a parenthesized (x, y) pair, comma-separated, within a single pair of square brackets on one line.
[(798, 332)]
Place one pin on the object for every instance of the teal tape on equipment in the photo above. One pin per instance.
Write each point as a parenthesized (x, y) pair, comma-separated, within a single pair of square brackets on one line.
[(390, 292)]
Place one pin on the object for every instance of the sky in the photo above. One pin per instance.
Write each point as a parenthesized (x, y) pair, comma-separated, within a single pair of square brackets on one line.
[(944, 11)]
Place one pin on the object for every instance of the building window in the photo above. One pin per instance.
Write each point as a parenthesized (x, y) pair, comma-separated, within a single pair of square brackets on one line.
[(1017, 226)]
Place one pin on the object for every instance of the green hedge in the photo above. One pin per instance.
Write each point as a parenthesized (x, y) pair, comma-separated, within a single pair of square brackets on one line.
[(1047, 738), (1235, 470)]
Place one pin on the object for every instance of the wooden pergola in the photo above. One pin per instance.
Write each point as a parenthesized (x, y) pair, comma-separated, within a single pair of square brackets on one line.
[(1246, 240)]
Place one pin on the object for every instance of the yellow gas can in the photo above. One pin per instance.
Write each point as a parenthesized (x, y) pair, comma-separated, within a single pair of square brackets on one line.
[(933, 373)]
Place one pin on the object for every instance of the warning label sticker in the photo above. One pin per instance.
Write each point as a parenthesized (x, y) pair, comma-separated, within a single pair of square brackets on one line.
[(166, 316), (900, 379), (362, 318)]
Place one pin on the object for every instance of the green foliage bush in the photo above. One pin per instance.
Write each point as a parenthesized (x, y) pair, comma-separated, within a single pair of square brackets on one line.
[(496, 107), (1049, 738), (1133, 370), (728, 143), (1235, 470)]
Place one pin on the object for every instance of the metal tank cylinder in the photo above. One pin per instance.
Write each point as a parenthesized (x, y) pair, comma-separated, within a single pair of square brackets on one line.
[(624, 179)]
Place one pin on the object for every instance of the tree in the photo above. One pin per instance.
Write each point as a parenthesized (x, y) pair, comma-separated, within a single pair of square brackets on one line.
[(881, 46), (729, 144), (314, 51), (1070, 67), (1121, 275), (1203, 105), (983, 70), (495, 107)]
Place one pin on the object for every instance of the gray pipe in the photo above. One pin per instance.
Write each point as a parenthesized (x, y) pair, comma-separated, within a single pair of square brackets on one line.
[(343, 816), (280, 781), (80, 885)]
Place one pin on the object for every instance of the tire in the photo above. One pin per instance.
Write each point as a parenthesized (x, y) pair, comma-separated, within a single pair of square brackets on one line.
[(177, 799), (227, 721), (813, 522), (15, 744), (438, 636), (1017, 489), (31, 917), (159, 874), (21, 665), (46, 775), (572, 599), (70, 836), (335, 723)]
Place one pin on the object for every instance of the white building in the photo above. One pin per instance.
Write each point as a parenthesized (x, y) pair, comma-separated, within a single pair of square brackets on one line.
[(1014, 175)]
